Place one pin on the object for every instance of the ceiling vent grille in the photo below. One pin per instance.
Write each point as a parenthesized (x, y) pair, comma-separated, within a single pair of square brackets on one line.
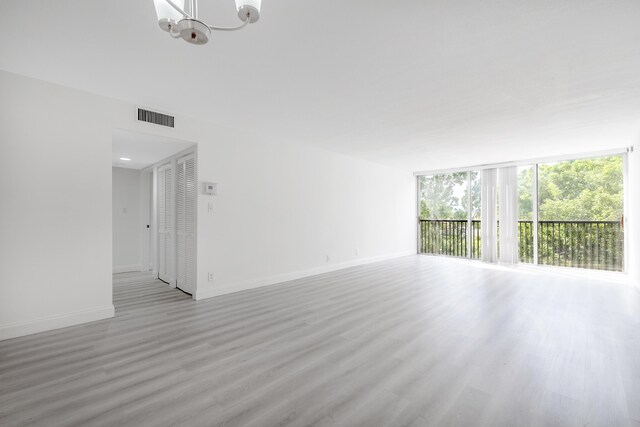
[(155, 118)]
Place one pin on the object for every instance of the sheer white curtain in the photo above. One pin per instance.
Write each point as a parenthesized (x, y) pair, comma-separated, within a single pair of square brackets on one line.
[(632, 219), (508, 187), (488, 215)]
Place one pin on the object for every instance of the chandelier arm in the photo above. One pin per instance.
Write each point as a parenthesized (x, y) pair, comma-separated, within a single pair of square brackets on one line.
[(231, 28), (179, 9)]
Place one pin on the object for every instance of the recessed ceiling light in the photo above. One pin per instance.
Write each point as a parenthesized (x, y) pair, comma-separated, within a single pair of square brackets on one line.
[(126, 159)]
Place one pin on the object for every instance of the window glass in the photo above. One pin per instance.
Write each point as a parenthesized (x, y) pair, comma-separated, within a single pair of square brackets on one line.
[(525, 213), (443, 214), (580, 213)]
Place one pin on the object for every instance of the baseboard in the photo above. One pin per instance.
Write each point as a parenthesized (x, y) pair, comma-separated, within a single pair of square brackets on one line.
[(229, 288), (127, 268), (18, 329)]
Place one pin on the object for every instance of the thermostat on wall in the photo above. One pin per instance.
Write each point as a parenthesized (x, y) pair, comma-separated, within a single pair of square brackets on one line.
[(210, 188)]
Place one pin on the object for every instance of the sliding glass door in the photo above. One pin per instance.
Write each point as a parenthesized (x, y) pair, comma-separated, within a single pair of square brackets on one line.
[(449, 214), (568, 213), (526, 225), (475, 215), (581, 213)]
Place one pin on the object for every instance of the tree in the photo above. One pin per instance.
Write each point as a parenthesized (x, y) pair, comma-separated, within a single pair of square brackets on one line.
[(475, 196), (569, 191), (588, 189), (525, 195), (440, 198)]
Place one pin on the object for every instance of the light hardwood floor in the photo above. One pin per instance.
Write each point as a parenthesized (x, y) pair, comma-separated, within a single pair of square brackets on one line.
[(414, 341)]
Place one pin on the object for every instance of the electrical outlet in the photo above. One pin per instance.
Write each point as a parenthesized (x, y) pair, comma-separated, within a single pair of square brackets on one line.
[(210, 207), (328, 258), (356, 251), (210, 277)]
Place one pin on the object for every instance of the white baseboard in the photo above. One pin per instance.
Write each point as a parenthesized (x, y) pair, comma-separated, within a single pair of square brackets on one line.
[(127, 268), (18, 329), (229, 288)]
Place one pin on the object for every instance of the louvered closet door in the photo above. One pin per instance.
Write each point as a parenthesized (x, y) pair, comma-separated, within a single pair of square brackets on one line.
[(180, 226), (186, 223), (162, 242), (166, 242)]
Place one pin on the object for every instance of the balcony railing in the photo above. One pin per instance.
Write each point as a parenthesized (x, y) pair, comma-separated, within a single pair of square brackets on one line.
[(449, 237), (585, 244)]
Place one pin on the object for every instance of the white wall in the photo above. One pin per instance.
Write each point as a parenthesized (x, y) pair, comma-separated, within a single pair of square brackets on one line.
[(281, 209), (55, 209), (127, 224)]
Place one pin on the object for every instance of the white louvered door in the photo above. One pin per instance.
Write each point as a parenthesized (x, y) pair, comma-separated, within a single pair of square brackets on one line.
[(162, 243), (166, 207), (180, 226), (186, 223)]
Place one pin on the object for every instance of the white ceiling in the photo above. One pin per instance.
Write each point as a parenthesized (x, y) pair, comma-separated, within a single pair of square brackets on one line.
[(143, 150), (412, 83)]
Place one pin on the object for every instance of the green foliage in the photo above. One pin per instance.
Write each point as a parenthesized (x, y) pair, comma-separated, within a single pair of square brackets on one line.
[(577, 190), (590, 189), (445, 196), (525, 194), (475, 196)]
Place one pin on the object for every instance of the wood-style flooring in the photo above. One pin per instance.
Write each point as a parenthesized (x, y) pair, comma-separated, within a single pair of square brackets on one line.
[(415, 341)]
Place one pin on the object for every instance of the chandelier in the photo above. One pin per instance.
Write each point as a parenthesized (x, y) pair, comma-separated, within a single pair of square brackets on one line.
[(180, 19)]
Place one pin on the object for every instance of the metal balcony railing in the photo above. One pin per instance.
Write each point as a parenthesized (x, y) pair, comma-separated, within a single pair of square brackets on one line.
[(595, 245)]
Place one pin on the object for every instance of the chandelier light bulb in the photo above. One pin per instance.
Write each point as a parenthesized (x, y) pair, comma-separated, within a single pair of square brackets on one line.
[(248, 8), (194, 31), (168, 17), (180, 19)]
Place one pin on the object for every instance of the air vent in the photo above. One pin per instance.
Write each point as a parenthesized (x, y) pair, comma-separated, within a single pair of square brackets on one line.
[(155, 118)]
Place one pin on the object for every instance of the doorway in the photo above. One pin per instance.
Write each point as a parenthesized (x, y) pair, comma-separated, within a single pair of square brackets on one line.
[(154, 200)]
